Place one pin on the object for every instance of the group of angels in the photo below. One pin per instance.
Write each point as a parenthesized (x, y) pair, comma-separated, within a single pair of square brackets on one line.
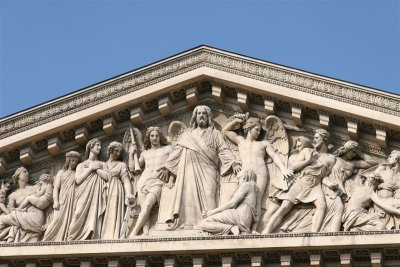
[(97, 200)]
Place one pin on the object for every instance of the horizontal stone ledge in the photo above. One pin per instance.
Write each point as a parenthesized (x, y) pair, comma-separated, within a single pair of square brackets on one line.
[(195, 245)]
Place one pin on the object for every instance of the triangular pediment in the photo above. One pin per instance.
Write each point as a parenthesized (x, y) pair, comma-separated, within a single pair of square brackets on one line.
[(206, 74), (168, 91)]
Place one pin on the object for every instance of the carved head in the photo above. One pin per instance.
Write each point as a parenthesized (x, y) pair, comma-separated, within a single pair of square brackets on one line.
[(301, 142), (154, 137), (115, 150), (20, 177), (202, 117), (71, 160), (246, 175), (321, 137), (93, 146), (45, 178), (252, 126), (394, 158), (349, 150)]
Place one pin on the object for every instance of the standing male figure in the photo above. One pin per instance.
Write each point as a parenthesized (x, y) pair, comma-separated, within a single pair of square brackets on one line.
[(314, 165), (389, 191), (194, 162)]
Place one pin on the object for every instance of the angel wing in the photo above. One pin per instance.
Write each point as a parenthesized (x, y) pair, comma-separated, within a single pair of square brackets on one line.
[(277, 136), (175, 130)]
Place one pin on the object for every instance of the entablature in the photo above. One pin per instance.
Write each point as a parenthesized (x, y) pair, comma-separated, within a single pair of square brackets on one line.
[(310, 249)]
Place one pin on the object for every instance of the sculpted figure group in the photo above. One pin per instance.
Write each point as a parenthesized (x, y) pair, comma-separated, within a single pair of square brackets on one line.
[(95, 199)]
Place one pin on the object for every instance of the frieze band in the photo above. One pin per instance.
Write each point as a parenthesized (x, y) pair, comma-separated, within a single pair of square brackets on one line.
[(255, 176)]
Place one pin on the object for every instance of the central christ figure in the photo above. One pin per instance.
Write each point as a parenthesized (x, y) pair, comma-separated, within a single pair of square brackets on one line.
[(197, 161)]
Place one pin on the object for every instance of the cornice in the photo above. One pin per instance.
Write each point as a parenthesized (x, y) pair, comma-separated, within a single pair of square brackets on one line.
[(340, 242), (211, 58), (394, 233)]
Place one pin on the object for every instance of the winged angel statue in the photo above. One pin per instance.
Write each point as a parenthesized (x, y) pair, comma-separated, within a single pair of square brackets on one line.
[(244, 133), (146, 156)]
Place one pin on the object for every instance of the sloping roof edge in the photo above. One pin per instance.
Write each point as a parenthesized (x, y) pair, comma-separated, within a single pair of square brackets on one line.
[(195, 57)]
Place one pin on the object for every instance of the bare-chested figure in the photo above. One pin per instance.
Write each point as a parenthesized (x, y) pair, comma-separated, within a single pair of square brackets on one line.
[(356, 216), (313, 166), (44, 194), (149, 185), (252, 154), (20, 178), (390, 173), (389, 190)]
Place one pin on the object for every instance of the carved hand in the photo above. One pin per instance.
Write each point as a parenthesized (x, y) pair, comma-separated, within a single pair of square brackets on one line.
[(94, 166), (287, 173), (236, 167), (129, 199), (163, 174), (205, 214), (133, 149), (239, 121), (56, 205), (170, 184), (240, 116)]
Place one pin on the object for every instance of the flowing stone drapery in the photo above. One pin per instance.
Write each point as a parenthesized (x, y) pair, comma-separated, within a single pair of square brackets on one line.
[(91, 197), (115, 210), (57, 230), (195, 164)]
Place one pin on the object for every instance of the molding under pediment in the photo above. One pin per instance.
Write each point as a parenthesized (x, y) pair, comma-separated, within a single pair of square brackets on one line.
[(214, 59)]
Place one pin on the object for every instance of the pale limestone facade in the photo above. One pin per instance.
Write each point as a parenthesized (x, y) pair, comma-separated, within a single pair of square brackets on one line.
[(228, 84)]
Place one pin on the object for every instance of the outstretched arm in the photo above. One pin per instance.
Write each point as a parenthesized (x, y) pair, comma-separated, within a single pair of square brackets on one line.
[(367, 161), (305, 159), (230, 133), (277, 160), (383, 205)]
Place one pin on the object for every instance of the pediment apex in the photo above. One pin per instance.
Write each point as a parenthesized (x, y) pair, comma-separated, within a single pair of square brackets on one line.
[(205, 62)]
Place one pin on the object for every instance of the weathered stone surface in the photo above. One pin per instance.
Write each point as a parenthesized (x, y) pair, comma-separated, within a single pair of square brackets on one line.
[(193, 169)]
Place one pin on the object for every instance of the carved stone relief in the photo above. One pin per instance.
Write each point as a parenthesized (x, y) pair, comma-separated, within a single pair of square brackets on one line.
[(238, 174)]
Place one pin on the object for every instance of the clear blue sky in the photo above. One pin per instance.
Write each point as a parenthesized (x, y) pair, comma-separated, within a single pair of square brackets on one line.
[(52, 48)]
